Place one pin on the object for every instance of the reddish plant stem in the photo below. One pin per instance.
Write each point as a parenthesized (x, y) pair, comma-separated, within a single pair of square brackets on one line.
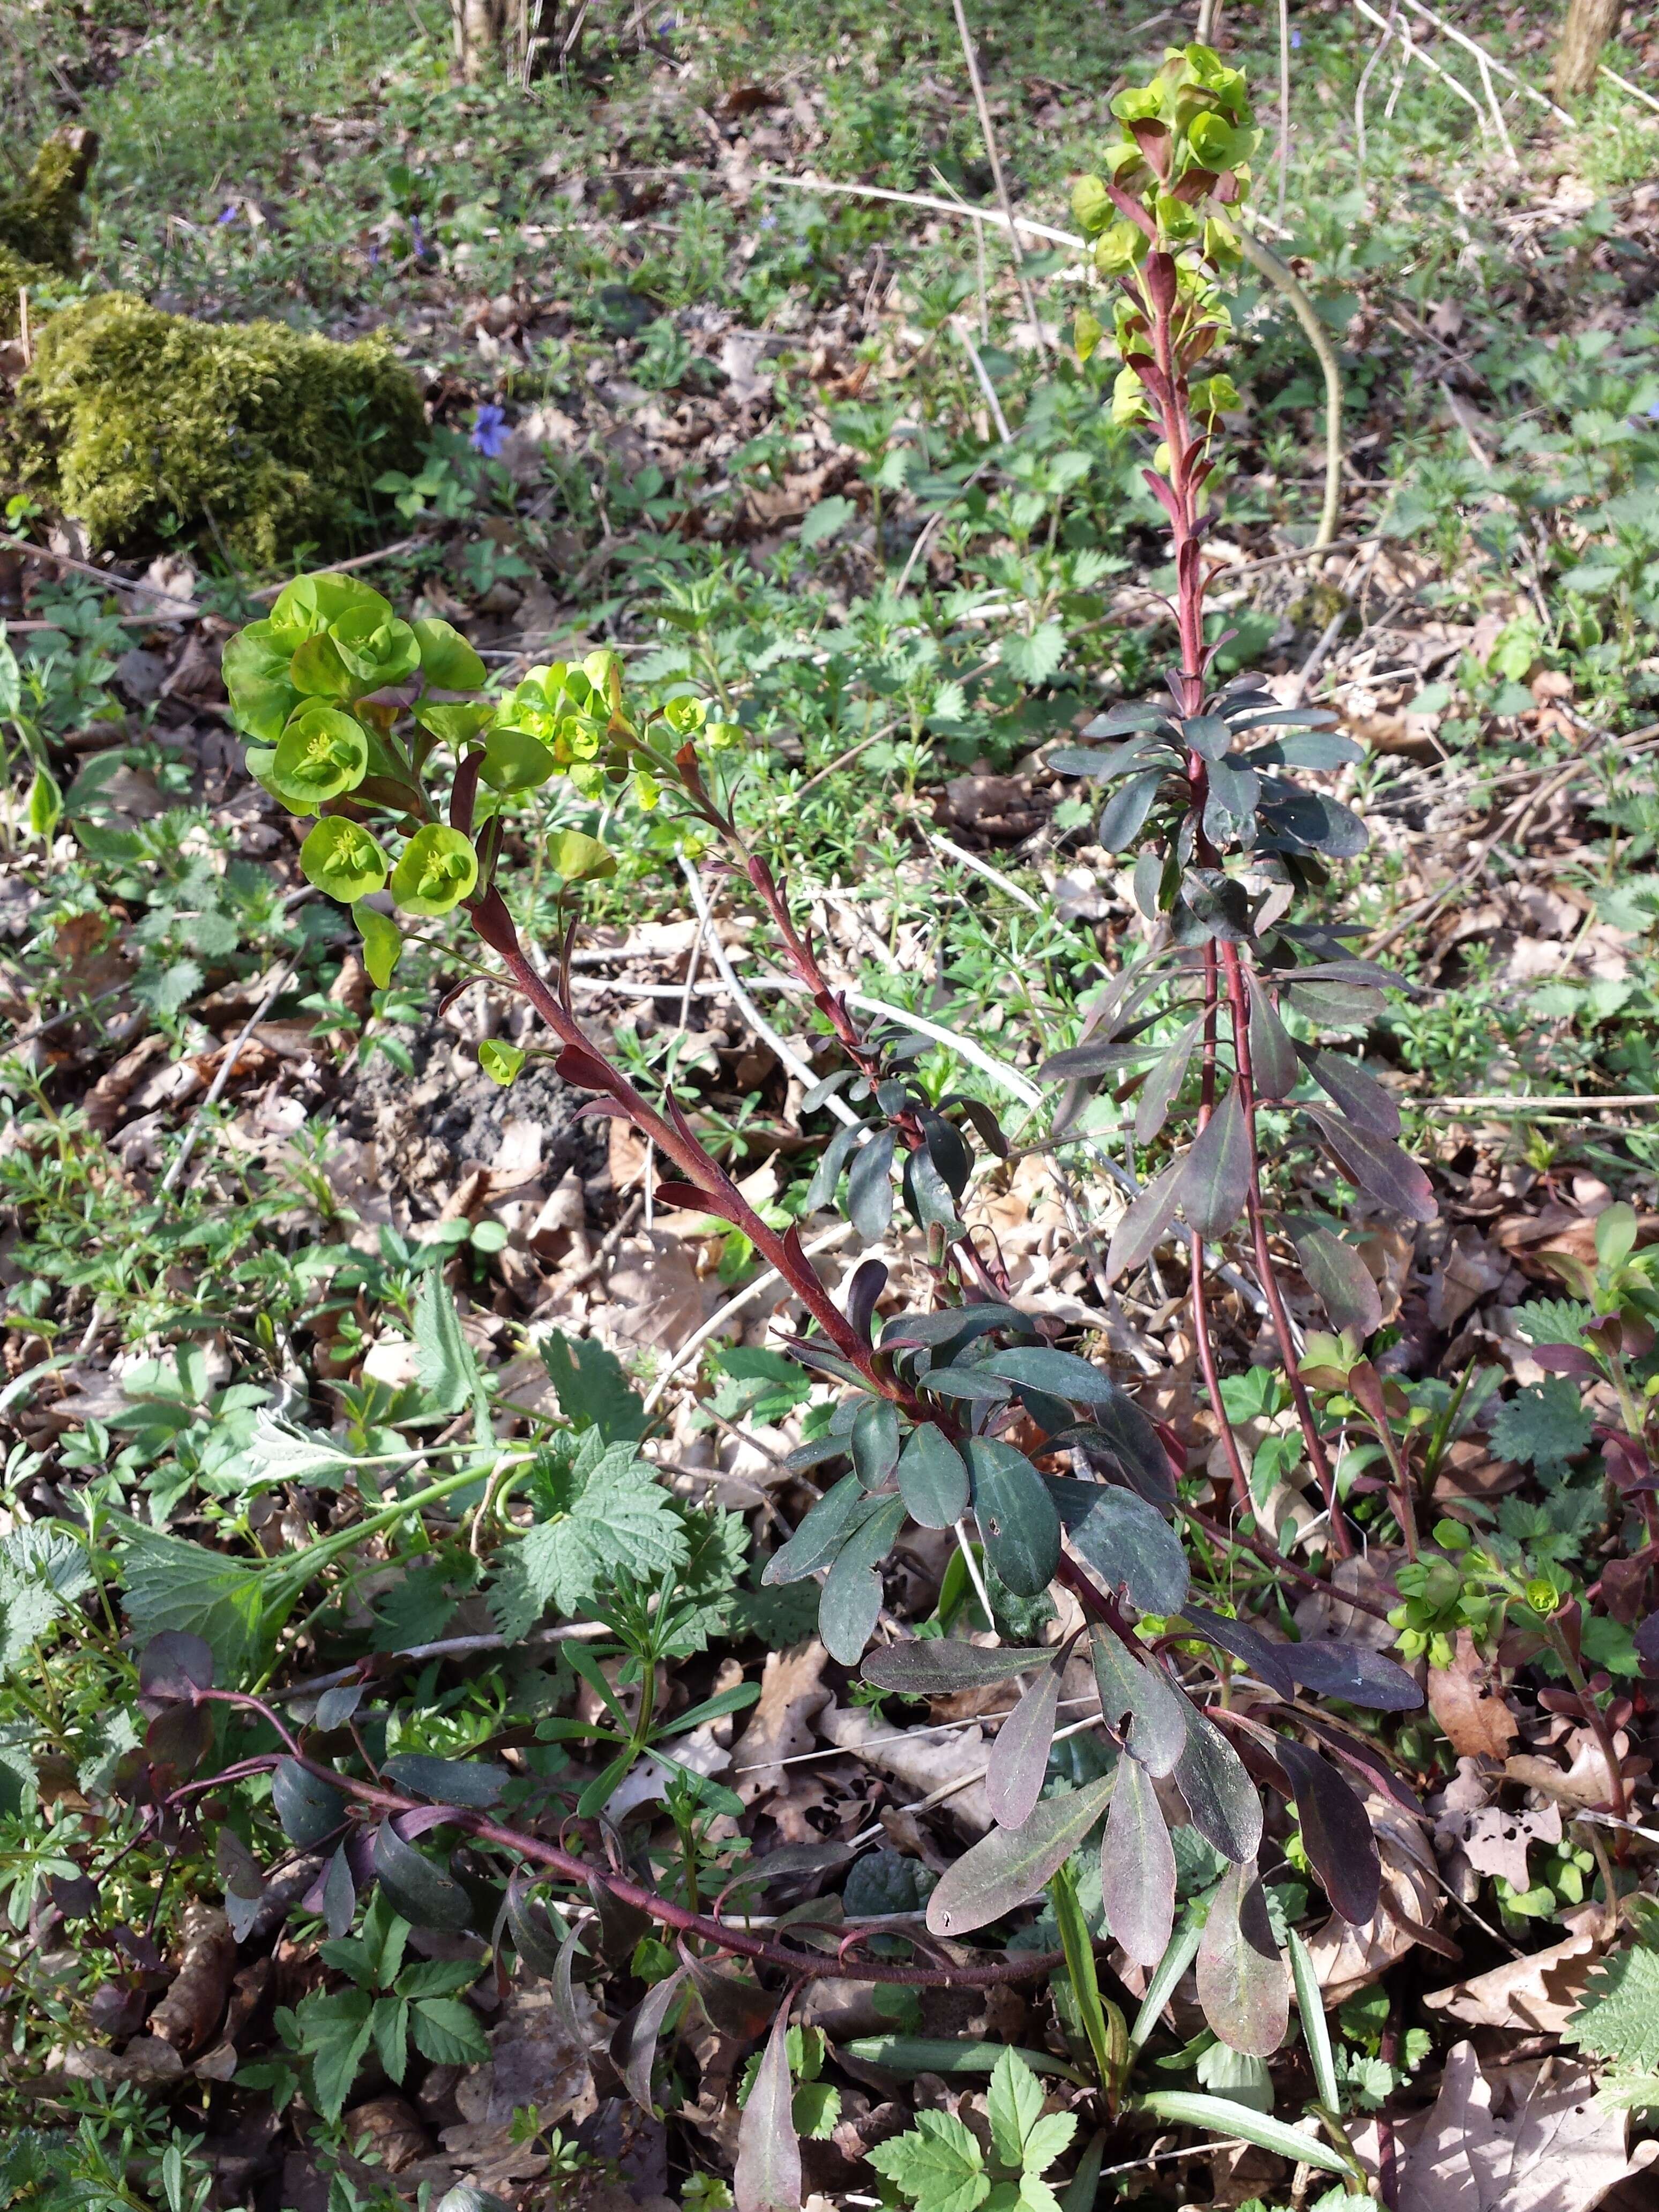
[(1280, 1564), (1199, 1297), (1317, 1457), (804, 1965)]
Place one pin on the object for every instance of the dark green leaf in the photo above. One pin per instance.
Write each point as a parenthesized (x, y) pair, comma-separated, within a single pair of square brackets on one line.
[(1230, 804), (1336, 1834), (1215, 1179), (1117, 721), (1273, 1063), (927, 1194), (1340, 1280), (1247, 714), (1016, 1515), (1127, 1541), (426, 1896), (447, 1780), (1099, 1057), (875, 1441), (1207, 735), (1006, 1869), (593, 1387), (1379, 1167), (1361, 1097), (539, 1944), (1106, 767), (1158, 1092), (1318, 749), (831, 1160), (1242, 1981), (1354, 1673), (1308, 821), (1139, 1688), (972, 1383), (1218, 1792), (1137, 1866), (852, 1590), (822, 1534), (947, 1332), (309, 1808), (869, 1187), (932, 1479), (1061, 1373), (1126, 812), (936, 1666), (1122, 1437), (1019, 1758), (1336, 1004)]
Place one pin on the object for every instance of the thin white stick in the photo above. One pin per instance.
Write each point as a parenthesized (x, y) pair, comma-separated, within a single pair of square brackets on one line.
[(999, 184), (716, 1321), (1516, 1103), (1415, 52), (1624, 85), (1463, 39), (992, 875), (985, 384), (977, 1579), (1483, 62)]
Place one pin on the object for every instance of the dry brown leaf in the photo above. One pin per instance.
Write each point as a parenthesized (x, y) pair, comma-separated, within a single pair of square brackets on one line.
[(195, 2004), (918, 1761), (533, 2061), (1556, 2150), (1471, 1711), (1469, 1272), (1535, 1996), (792, 1695), (1495, 1842)]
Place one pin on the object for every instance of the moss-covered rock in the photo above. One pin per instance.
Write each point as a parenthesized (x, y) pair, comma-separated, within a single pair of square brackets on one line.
[(131, 420)]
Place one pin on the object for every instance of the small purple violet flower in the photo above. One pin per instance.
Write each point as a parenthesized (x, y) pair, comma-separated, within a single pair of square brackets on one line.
[(768, 223), (1296, 37), (228, 215), (489, 432), (416, 243)]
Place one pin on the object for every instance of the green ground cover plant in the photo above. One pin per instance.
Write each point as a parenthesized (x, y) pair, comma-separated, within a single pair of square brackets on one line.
[(1152, 1374)]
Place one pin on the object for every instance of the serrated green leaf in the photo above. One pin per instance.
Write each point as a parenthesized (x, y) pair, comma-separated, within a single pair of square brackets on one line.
[(622, 1521), (938, 2164), (1546, 1423), (335, 2032), (1014, 2106), (444, 1359), (1618, 2018), (447, 2032)]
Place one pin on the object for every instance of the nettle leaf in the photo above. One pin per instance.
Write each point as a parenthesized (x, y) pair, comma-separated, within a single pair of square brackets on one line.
[(1034, 659), (1137, 1866), (171, 1584), (593, 1387), (933, 1479), (936, 1667), (443, 1360), (1139, 1690), (1243, 1984), (1215, 1178), (1380, 1168), (1006, 1869), (1017, 1516), (336, 2031), (1336, 1834), (1618, 2019), (1218, 1792), (621, 1520), (1546, 1423), (1341, 1281), (1019, 1757)]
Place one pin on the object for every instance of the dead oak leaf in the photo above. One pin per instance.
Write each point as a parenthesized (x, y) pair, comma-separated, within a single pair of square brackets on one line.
[(1535, 1996), (792, 1695), (1556, 2150), (1468, 1705), (1495, 1842)]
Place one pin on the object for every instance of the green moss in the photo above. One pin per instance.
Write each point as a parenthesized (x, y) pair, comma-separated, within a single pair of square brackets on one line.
[(14, 274), (38, 223), (138, 423)]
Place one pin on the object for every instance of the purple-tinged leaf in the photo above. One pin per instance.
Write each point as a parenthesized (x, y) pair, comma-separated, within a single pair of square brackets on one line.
[(1215, 1178), (932, 1479), (309, 1808), (1380, 1168), (538, 1943), (869, 1281), (1124, 1439), (175, 1665), (1369, 1763), (1273, 1064), (1129, 1543), (1243, 1985), (1340, 1280), (425, 1894), (1100, 1056), (1646, 1640), (1354, 1673), (1335, 1833), (1139, 1688), (1361, 1097), (339, 1901), (1147, 1223), (1061, 1373), (870, 1187), (1269, 1660), (1137, 1866), (850, 1600), (1217, 1791), (767, 2174), (1008, 1868), (634, 2040), (938, 1665), (1339, 1004), (1019, 1757), (1158, 1093), (730, 2005)]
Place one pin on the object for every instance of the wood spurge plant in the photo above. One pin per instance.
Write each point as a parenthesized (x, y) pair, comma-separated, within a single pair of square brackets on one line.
[(423, 785)]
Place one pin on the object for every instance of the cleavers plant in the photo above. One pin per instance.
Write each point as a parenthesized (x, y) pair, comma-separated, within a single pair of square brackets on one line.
[(422, 784)]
